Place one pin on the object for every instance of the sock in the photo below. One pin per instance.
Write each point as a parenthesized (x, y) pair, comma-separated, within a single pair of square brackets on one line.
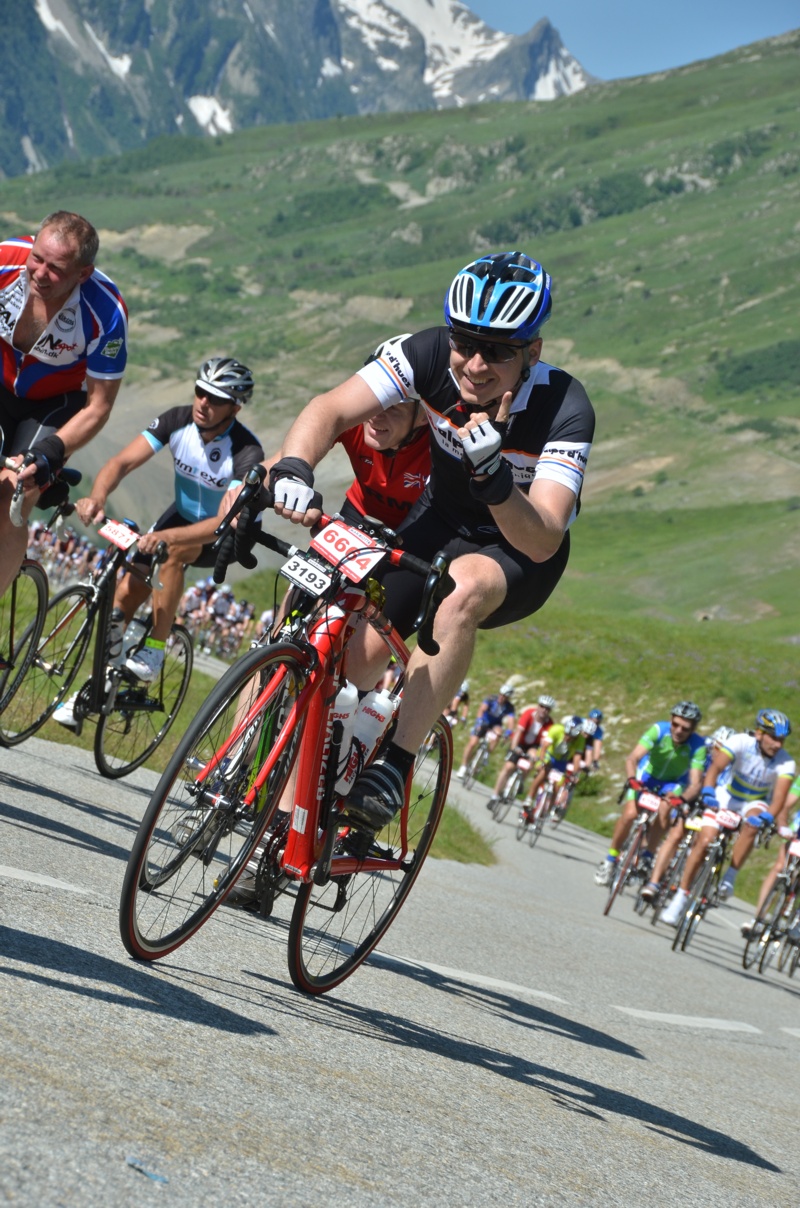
[(613, 855), (154, 644), (730, 876), (400, 759)]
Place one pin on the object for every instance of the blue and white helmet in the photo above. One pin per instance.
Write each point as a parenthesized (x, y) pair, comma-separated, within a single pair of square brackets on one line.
[(502, 296), (773, 722)]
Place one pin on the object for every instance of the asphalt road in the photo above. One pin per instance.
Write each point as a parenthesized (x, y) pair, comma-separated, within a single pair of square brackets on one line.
[(508, 1045)]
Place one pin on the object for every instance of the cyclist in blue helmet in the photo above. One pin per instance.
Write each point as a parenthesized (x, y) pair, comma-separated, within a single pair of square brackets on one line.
[(761, 776), (510, 437)]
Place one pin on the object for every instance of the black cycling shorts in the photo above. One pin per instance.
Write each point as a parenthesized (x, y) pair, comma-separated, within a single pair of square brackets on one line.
[(529, 584), (24, 420), (173, 519)]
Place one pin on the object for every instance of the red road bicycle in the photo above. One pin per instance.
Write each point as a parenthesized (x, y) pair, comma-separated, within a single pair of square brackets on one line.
[(216, 806)]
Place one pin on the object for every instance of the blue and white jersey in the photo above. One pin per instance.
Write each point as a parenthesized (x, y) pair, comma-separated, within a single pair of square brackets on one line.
[(203, 471), (753, 776)]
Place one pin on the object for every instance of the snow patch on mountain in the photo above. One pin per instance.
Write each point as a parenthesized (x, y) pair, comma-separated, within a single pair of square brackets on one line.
[(454, 37)]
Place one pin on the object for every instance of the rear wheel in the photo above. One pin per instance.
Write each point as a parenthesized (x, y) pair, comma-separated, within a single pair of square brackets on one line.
[(752, 949), (22, 614), (144, 713), (59, 653), (335, 926), (198, 833)]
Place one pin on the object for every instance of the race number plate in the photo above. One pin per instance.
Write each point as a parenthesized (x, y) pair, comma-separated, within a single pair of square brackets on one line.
[(352, 552), (649, 801), (305, 574), (794, 847), (523, 764), (728, 819), (118, 534), (554, 776)]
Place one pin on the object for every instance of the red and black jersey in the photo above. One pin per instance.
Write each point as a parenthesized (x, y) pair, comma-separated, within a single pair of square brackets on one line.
[(386, 485)]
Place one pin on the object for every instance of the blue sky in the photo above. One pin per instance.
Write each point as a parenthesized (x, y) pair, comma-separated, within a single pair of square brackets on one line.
[(613, 38)]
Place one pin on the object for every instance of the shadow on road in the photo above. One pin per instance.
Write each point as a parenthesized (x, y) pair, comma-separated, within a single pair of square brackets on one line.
[(125, 984), (573, 1094), (75, 836)]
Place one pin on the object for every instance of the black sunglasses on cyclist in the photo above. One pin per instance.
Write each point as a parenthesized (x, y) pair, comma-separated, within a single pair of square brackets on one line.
[(491, 353), (216, 400)]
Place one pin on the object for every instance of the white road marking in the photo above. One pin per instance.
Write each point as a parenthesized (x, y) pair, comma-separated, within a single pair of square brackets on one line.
[(791, 1031), (476, 979), (691, 1021), (37, 878)]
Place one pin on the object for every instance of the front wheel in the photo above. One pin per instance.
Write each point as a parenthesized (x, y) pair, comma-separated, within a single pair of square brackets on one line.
[(22, 614), (198, 832), (510, 794), (60, 650), (625, 866), (144, 713), (335, 926), (760, 930), (696, 907), (476, 764)]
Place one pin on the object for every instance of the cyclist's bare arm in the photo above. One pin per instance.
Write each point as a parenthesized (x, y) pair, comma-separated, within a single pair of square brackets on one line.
[(692, 790), (779, 801), (322, 422), (111, 475)]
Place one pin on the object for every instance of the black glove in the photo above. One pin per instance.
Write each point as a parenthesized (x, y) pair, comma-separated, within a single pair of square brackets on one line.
[(48, 456)]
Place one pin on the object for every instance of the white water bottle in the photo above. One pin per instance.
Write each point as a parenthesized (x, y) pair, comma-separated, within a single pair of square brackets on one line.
[(344, 710), (372, 720)]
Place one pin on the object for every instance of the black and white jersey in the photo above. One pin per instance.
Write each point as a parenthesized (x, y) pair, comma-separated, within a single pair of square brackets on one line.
[(203, 471), (548, 433)]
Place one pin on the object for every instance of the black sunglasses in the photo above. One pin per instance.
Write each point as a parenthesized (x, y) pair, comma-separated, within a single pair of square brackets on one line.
[(216, 400), (491, 353)]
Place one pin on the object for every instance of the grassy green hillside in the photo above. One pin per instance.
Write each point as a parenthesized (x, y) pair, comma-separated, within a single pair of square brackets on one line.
[(666, 208)]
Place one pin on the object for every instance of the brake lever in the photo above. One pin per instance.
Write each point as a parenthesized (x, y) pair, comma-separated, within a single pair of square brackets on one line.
[(438, 585), (160, 554), (253, 482)]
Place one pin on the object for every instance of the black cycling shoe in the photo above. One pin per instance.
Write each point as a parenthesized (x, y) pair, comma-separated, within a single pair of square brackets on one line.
[(377, 795)]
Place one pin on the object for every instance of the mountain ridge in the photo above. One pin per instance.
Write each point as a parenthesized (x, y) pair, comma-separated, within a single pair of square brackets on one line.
[(112, 75)]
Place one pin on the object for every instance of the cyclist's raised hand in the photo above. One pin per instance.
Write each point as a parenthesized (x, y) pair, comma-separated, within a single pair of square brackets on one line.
[(291, 482)]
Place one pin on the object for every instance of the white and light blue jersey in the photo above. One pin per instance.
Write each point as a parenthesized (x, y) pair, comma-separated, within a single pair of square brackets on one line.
[(753, 776), (203, 471)]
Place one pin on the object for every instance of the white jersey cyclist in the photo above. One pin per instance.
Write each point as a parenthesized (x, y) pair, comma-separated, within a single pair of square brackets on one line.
[(548, 433), (753, 775), (203, 471)]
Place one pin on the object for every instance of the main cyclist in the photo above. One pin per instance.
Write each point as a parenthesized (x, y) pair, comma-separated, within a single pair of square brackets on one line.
[(511, 436), (211, 449), (758, 790), (63, 348), (526, 741), (669, 760)]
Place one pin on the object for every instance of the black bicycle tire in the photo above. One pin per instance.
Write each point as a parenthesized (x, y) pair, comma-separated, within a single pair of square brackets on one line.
[(787, 945), (673, 875), (370, 884), (30, 569), (627, 859), (699, 894), (82, 593), (754, 942), (771, 937), (227, 692), (504, 803), (476, 764), (103, 735)]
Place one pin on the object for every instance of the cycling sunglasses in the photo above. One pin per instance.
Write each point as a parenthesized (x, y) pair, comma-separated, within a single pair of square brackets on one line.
[(491, 353), (216, 400)]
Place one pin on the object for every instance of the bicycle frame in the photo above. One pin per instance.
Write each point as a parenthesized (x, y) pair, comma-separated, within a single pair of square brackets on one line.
[(313, 795)]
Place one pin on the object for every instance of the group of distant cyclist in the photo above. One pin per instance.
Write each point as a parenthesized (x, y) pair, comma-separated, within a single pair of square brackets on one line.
[(748, 775), (536, 742), (460, 437)]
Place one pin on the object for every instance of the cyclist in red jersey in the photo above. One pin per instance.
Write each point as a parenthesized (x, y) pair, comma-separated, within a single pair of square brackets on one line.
[(63, 347)]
